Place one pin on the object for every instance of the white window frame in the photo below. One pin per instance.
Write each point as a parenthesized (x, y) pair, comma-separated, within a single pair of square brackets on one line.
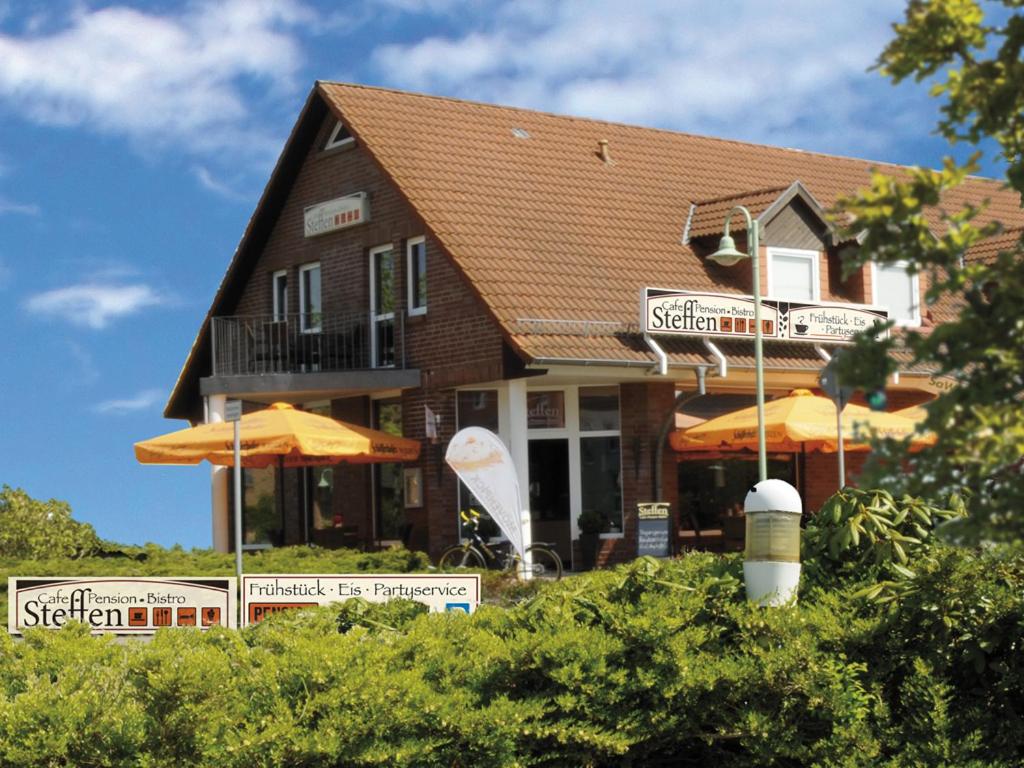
[(333, 142), (374, 317), (409, 272), (280, 313), (812, 256), (304, 299), (915, 289)]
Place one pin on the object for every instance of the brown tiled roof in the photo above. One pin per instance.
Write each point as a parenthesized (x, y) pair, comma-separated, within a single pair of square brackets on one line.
[(708, 216), (991, 247), (543, 227)]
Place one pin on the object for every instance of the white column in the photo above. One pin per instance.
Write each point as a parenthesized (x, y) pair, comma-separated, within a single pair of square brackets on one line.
[(219, 480), (520, 449)]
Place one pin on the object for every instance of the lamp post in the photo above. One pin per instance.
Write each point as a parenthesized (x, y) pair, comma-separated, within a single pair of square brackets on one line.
[(727, 255)]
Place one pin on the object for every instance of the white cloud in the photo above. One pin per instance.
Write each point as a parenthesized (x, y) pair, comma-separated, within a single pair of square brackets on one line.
[(209, 181), (792, 74), (144, 400), (25, 209), (158, 79), (94, 305)]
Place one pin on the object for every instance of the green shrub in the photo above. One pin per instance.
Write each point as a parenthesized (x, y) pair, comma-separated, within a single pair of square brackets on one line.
[(653, 663), (33, 528)]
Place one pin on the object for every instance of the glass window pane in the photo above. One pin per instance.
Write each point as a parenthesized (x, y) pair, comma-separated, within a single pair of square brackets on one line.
[(895, 292), (280, 296), (545, 410), (599, 474), (384, 282), (389, 479), (418, 274), (599, 408), (310, 297), (478, 408), (261, 515), (792, 277)]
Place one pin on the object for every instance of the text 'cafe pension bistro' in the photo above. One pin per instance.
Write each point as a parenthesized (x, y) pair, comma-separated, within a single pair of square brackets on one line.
[(420, 264)]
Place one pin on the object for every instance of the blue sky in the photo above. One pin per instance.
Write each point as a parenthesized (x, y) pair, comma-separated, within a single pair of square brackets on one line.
[(135, 139)]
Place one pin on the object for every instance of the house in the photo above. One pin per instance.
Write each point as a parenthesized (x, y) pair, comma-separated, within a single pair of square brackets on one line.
[(422, 264)]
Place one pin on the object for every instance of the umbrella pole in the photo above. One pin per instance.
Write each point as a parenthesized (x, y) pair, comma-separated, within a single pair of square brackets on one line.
[(841, 452), (238, 502)]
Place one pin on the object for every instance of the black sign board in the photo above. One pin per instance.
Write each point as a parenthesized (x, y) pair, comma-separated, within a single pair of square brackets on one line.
[(653, 529)]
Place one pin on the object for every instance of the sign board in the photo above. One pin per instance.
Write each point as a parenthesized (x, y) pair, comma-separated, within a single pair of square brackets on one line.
[(690, 313), (653, 529), (121, 605), (232, 410), (340, 213), (264, 594)]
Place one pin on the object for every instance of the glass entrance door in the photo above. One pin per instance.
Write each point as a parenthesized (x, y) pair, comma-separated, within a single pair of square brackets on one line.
[(549, 494)]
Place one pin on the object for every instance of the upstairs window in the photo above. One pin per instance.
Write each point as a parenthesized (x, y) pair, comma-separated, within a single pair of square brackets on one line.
[(416, 272), (340, 137), (310, 307), (382, 306), (280, 294), (894, 288), (793, 274)]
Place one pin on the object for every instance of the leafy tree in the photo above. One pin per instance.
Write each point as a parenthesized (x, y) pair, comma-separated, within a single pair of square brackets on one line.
[(33, 528), (973, 262)]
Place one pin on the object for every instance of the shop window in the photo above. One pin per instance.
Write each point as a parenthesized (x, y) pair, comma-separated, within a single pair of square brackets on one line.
[(382, 305), (793, 274), (261, 514), (477, 408), (310, 307), (712, 491), (389, 503), (898, 291), (280, 294), (545, 410), (416, 273), (601, 455)]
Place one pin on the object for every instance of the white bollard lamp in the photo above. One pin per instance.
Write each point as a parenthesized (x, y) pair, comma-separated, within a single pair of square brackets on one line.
[(771, 567)]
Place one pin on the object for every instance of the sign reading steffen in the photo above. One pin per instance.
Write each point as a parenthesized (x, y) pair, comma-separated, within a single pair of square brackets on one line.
[(336, 214), (264, 594), (126, 605), (691, 313), (653, 529)]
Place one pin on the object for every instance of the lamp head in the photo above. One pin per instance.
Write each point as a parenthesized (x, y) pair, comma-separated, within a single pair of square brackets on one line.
[(727, 255)]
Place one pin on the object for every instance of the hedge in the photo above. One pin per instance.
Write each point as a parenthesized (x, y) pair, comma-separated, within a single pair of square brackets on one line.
[(655, 663)]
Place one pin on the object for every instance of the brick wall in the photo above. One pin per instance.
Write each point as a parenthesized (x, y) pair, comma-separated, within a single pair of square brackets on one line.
[(455, 343)]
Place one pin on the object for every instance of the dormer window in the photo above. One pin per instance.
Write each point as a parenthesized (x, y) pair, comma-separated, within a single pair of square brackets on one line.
[(894, 288), (340, 137), (793, 274)]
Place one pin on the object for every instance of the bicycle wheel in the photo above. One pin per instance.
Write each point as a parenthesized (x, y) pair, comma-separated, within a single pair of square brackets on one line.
[(454, 558), (546, 562)]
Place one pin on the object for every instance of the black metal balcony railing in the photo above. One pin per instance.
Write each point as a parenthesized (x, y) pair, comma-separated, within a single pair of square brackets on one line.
[(258, 344)]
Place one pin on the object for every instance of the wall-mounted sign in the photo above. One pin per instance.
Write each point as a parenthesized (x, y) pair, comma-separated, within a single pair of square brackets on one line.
[(545, 410), (336, 214), (691, 313), (120, 605), (653, 529), (265, 594)]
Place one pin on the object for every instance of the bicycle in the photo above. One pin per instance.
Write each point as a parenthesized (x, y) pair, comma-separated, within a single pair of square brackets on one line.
[(474, 552)]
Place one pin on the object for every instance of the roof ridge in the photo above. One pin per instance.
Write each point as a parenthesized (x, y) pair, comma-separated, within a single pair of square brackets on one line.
[(619, 124)]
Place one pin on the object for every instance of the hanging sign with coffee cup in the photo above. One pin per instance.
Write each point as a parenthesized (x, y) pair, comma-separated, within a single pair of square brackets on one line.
[(694, 313)]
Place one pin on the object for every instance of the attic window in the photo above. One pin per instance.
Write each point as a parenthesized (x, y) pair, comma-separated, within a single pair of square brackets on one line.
[(340, 137), (520, 133)]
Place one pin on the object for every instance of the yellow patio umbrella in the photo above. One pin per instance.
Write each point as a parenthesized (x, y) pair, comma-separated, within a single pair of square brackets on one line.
[(801, 421), (278, 435)]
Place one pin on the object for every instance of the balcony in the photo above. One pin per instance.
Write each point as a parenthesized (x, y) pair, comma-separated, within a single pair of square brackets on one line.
[(258, 345)]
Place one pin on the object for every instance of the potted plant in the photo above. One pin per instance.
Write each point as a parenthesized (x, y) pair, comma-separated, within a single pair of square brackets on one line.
[(590, 523)]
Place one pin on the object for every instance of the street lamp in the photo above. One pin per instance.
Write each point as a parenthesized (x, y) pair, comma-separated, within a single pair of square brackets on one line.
[(727, 255)]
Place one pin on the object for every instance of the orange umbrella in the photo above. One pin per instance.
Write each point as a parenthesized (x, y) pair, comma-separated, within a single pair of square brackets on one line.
[(278, 435), (799, 421)]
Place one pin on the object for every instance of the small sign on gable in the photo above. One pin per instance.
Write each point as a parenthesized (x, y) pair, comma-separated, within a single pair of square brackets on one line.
[(336, 214)]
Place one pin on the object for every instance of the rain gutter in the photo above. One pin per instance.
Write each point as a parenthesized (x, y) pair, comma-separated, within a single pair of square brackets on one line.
[(661, 367), (723, 363)]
